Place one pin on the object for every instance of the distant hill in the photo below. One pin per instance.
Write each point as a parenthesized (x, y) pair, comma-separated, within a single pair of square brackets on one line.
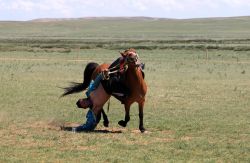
[(66, 34), (128, 28), (97, 18), (136, 18)]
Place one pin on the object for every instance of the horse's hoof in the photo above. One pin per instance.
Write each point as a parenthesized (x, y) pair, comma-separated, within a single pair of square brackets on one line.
[(122, 123), (106, 123), (142, 129)]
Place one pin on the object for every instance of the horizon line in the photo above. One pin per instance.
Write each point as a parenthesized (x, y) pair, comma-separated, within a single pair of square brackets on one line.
[(121, 17)]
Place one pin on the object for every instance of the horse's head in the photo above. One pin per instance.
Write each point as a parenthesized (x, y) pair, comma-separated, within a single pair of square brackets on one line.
[(131, 57)]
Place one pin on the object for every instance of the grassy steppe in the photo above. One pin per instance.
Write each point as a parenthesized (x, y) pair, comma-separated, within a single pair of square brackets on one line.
[(114, 33), (135, 29), (197, 107)]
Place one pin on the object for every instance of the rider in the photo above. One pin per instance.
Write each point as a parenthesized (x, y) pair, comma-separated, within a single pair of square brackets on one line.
[(85, 103), (112, 80)]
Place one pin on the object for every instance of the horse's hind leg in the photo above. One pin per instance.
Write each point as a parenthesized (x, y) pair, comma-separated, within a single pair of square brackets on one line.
[(105, 119), (123, 123), (98, 118), (141, 127)]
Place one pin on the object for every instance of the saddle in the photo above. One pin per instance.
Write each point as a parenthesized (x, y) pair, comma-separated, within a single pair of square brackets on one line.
[(115, 84)]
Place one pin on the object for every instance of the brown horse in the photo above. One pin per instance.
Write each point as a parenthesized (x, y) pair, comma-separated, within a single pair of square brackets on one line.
[(134, 80)]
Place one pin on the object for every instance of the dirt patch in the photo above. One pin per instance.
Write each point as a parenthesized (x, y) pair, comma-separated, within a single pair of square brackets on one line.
[(168, 132), (78, 148), (139, 132), (52, 124), (59, 125), (3, 116), (164, 140), (186, 138)]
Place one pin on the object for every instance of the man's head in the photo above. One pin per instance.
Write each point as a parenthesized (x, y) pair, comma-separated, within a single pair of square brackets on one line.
[(84, 103)]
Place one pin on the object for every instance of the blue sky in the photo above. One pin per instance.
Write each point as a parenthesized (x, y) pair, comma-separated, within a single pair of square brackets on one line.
[(32, 9)]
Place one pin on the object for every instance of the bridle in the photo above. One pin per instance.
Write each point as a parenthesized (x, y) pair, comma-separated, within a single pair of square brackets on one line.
[(132, 59), (128, 59)]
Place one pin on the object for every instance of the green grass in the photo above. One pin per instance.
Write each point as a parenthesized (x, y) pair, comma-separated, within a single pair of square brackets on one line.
[(197, 109), (198, 99)]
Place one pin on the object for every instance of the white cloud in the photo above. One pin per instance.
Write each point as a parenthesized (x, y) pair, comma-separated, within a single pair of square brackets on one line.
[(28, 5), (79, 8), (236, 3), (33, 6), (17, 5)]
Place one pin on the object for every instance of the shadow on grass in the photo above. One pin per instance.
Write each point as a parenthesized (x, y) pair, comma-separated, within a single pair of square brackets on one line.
[(67, 128)]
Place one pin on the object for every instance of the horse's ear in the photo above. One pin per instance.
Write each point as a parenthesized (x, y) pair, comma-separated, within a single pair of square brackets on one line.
[(122, 54)]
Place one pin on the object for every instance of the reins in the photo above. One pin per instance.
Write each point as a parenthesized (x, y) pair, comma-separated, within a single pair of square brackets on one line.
[(121, 67), (106, 76)]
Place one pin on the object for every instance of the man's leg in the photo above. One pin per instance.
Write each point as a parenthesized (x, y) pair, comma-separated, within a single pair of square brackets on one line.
[(90, 123), (94, 84)]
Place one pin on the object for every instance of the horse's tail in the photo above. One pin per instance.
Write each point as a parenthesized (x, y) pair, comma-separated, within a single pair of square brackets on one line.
[(78, 87)]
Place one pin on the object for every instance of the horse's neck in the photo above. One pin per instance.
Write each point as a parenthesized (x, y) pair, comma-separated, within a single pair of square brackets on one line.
[(136, 84), (135, 78), (134, 74)]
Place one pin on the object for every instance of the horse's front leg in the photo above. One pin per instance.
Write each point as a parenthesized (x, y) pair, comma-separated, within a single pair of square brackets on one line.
[(98, 118), (105, 119), (123, 123), (104, 116), (141, 127)]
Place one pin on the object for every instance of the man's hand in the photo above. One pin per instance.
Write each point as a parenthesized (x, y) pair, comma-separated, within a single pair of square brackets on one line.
[(105, 74)]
